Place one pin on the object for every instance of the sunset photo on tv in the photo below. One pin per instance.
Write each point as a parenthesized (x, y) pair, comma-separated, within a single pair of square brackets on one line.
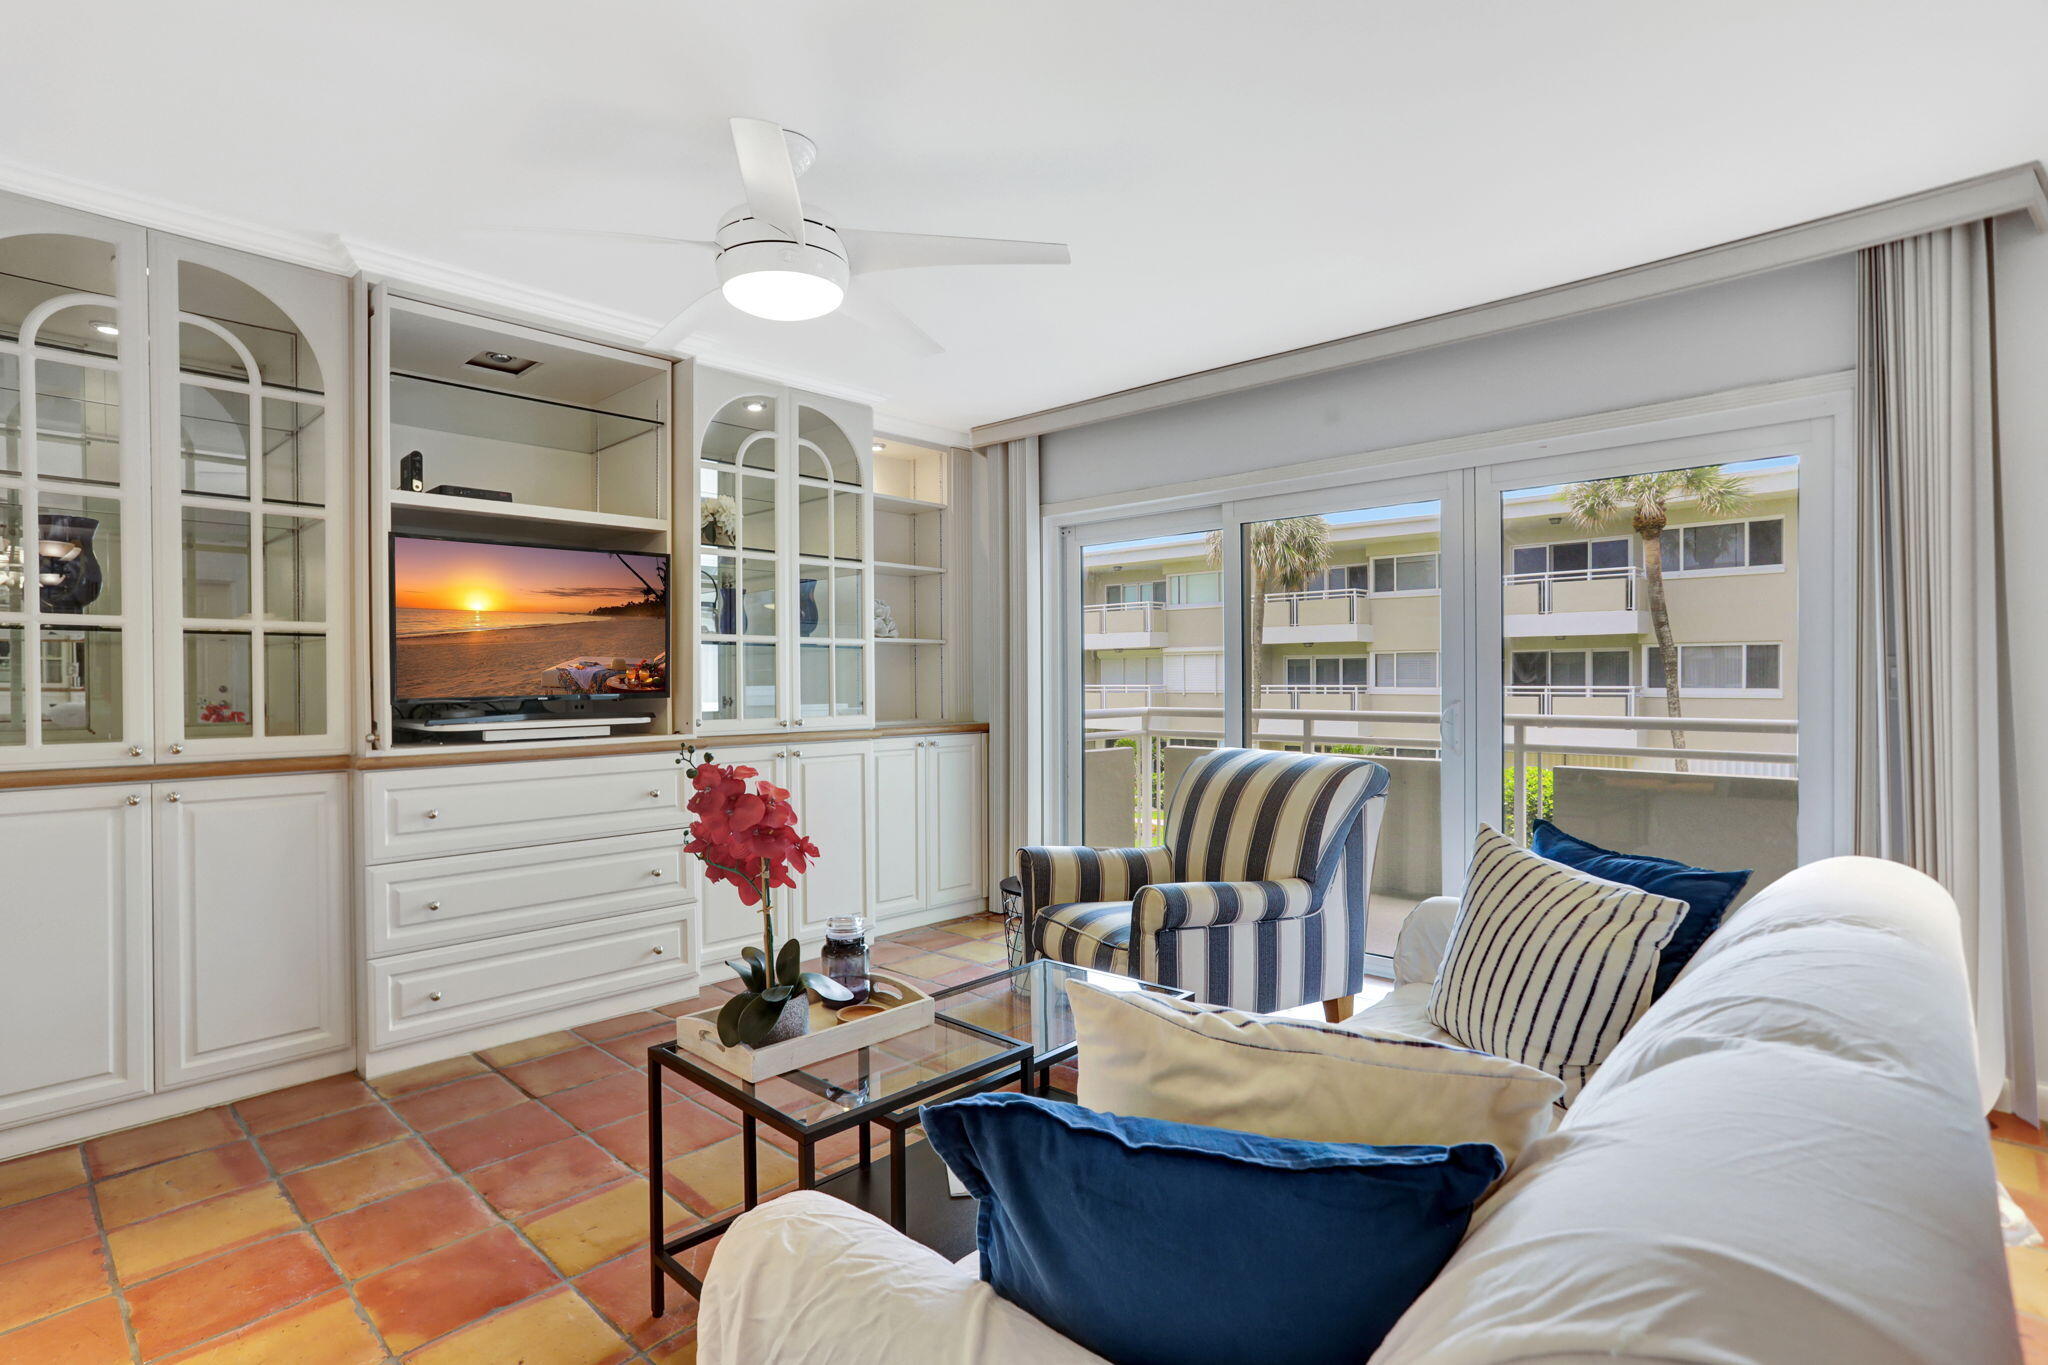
[(473, 620)]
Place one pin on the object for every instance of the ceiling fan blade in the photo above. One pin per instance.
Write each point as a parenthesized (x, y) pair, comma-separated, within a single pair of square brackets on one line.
[(768, 174), (872, 251), (607, 234), (687, 321), (889, 322)]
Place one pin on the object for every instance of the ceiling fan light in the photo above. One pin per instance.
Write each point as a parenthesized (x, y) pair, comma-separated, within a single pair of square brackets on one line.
[(782, 295)]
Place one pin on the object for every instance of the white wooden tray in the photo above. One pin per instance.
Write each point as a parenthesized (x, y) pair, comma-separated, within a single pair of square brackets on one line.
[(829, 1036)]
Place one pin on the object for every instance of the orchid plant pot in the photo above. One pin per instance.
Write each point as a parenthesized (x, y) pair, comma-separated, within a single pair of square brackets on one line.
[(746, 836)]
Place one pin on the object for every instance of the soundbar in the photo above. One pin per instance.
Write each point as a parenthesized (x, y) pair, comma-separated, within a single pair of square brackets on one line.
[(456, 490)]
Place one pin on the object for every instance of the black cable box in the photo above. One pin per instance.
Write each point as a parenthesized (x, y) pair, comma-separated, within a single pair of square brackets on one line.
[(456, 490)]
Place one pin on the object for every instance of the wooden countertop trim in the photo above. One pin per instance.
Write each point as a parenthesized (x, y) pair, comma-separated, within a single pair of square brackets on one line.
[(168, 772), (28, 778)]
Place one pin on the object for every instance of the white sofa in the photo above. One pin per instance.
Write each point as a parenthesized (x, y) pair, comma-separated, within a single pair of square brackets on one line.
[(1785, 1161)]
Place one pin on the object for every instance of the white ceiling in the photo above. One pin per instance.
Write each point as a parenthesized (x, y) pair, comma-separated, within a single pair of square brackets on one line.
[(1234, 179)]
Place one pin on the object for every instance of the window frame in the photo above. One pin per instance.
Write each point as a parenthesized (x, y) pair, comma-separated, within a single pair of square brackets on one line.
[(1652, 684), (1745, 567)]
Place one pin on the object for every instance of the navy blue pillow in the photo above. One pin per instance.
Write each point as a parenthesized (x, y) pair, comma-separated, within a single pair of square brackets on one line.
[(1705, 893), (1156, 1243)]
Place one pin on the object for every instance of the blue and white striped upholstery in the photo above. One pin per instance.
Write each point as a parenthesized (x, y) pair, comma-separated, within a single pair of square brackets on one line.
[(1258, 898)]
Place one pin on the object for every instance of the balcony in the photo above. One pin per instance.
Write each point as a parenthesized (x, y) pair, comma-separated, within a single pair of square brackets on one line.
[(1123, 625), (1326, 616), (1580, 602), (1569, 754)]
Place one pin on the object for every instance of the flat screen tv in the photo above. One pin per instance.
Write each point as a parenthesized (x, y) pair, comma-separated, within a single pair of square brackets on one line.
[(489, 620)]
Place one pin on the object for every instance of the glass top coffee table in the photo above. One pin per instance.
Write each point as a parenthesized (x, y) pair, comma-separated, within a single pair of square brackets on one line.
[(830, 1096), (1028, 1004)]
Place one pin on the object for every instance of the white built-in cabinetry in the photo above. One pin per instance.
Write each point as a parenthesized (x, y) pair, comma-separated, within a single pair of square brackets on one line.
[(163, 935), (895, 849), (501, 900)]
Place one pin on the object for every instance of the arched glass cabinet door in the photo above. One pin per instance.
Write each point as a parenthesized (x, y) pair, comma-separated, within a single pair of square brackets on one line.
[(739, 545), (834, 615), (74, 601), (251, 503)]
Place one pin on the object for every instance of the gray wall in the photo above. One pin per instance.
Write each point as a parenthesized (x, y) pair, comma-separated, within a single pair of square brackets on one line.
[(1785, 325)]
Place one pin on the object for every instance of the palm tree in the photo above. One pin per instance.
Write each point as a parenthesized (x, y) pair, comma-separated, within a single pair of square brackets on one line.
[(1280, 556), (1646, 500)]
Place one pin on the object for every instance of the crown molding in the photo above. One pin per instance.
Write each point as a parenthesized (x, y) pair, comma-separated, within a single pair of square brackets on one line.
[(432, 281), (322, 251), (2016, 189), (919, 432), (438, 282)]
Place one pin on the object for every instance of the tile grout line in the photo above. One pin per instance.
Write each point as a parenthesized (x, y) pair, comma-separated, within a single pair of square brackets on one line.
[(99, 1222), (347, 1287), (566, 1281)]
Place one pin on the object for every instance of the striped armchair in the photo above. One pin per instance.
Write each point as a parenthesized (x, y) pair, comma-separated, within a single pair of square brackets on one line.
[(1257, 900)]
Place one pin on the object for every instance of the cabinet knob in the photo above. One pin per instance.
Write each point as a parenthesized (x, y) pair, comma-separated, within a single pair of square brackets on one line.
[(134, 800), (659, 950), (177, 748), (433, 905), (433, 995), (798, 721), (656, 872), (796, 753), (655, 793), (135, 751), (173, 797), (433, 815)]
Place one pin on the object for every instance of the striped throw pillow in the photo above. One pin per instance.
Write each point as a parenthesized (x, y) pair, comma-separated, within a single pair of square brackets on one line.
[(1548, 966)]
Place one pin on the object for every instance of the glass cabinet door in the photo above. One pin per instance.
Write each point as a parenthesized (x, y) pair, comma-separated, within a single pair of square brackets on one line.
[(249, 499), (739, 592), (74, 600), (834, 616)]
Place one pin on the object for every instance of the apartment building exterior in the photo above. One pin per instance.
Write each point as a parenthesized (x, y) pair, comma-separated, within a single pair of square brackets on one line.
[(1352, 658)]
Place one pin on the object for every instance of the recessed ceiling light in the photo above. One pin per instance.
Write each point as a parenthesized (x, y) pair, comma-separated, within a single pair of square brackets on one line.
[(502, 362), (878, 447), (756, 407), (106, 329)]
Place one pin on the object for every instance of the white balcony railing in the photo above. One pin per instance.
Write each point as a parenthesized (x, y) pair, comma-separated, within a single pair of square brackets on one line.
[(1293, 694), (1122, 618), (1284, 608), (1530, 743), (1626, 576), (1547, 697)]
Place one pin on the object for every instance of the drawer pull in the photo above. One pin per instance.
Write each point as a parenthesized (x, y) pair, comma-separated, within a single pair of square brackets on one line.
[(659, 950), (433, 815), (433, 995), (655, 873), (656, 793), (433, 905)]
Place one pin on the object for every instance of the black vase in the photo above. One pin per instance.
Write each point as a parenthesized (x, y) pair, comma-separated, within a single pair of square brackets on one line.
[(70, 580)]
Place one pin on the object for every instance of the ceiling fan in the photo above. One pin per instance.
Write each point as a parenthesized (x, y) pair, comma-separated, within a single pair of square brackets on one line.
[(780, 259)]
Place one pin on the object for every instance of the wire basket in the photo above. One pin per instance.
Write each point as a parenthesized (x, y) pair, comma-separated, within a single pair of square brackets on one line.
[(1012, 892)]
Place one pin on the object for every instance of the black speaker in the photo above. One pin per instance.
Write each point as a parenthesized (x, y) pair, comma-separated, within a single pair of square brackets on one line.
[(412, 473)]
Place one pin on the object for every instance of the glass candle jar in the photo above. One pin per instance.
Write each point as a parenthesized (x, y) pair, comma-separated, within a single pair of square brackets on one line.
[(846, 954)]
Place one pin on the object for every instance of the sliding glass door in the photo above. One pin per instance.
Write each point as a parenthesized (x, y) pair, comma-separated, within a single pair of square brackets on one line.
[(1343, 652), (1147, 691), (1650, 621), (1637, 641)]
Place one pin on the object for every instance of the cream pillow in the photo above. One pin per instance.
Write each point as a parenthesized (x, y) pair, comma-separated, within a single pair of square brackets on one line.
[(1147, 1056)]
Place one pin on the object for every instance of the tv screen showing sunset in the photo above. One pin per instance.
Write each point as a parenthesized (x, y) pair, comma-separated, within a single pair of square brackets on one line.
[(473, 619)]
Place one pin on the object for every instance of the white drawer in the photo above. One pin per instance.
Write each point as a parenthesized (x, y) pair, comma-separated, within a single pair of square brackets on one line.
[(419, 995), (475, 895), (425, 812)]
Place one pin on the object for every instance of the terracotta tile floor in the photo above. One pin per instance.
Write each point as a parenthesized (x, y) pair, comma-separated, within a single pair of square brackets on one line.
[(479, 1211)]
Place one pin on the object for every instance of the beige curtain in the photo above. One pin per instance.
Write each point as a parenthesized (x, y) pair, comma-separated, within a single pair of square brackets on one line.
[(1935, 788)]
